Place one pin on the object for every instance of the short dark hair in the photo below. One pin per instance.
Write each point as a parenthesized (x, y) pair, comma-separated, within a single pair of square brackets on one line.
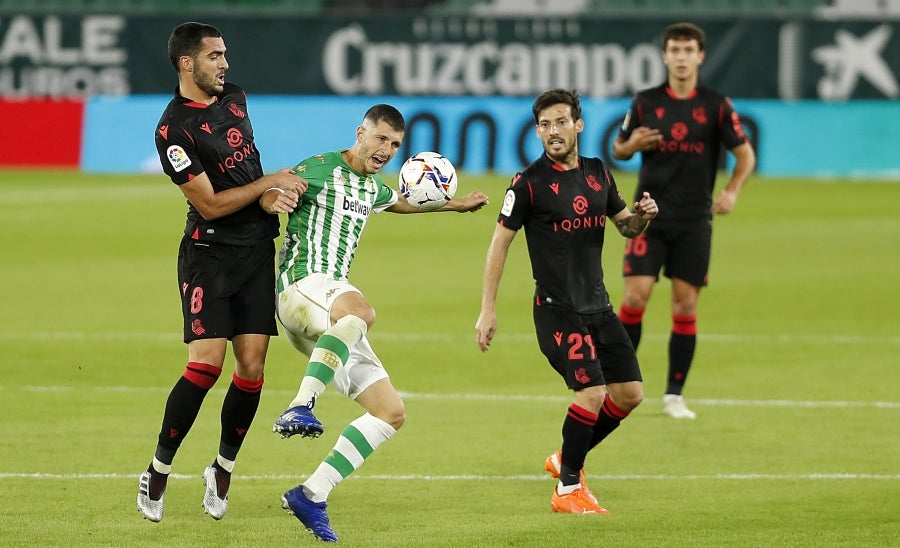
[(187, 39), (387, 113), (555, 97), (684, 31)]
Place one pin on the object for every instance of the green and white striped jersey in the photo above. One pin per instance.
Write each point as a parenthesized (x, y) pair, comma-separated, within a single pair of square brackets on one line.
[(324, 230)]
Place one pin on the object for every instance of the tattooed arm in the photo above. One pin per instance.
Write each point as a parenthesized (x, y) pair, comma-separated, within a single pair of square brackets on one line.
[(631, 224)]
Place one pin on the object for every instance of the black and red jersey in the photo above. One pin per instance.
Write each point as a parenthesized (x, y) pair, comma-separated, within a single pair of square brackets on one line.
[(680, 173), (192, 138), (564, 214)]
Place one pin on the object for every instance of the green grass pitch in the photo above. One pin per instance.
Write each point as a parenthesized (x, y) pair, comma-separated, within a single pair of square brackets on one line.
[(795, 382)]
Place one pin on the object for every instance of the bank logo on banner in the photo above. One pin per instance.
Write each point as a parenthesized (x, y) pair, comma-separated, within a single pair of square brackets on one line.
[(851, 58)]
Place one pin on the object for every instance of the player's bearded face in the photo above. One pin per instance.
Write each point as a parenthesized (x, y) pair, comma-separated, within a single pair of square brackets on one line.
[(210, 66), (559, 132)]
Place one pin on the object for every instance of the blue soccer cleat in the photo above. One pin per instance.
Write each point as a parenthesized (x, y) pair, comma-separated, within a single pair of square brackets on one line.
[(311, 514), (299, 420)]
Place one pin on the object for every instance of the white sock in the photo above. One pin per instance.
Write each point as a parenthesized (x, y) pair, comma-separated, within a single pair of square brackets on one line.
[(566, 489), (227, 465), (161, 467), (358, 440)]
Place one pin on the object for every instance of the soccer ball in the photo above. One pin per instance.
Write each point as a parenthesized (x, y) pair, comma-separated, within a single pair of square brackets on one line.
[(427, 180)]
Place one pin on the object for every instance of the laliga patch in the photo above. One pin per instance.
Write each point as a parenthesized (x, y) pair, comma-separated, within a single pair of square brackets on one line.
[(178, 157), (508, 202)]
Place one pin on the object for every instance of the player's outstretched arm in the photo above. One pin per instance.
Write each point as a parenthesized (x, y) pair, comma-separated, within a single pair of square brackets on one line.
[(472, 201)]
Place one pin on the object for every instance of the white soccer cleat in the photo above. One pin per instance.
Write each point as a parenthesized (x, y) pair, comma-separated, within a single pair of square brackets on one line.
[(151, 509), (212, 504), (674, 406)]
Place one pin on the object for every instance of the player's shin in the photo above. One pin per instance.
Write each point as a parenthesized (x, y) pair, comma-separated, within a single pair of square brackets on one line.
[(356, 443), (609, 418)]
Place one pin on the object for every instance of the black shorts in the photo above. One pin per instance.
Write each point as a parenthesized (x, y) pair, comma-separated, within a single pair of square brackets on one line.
[(226, 290), (586, 349), (681, 250)]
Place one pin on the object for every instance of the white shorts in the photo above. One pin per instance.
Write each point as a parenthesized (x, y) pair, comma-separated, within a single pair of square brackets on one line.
[(304, 309)]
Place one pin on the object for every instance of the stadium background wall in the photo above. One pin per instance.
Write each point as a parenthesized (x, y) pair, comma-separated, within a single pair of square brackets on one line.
[(59, 55), (84, 90)]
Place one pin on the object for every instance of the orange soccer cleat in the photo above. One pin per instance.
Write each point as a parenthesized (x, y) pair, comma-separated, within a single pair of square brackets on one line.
[(579, 501), (553, 464)]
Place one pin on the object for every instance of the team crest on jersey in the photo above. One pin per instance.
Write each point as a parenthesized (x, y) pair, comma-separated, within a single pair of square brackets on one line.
[(660, 113), (178, 158), (699, 115), (236, 110), (508, 202), (594, 183)]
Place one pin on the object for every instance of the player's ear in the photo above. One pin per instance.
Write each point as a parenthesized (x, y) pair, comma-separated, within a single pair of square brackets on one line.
[(579, 125)]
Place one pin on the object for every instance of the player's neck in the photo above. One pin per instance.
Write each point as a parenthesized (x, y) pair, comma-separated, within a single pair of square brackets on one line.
[(566, 163), (189, 90), (351, 158), (682, 88)]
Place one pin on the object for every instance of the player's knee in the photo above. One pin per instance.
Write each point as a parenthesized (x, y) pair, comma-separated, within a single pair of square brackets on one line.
[(399, 420), (249, 370), (634, 394), (353, 304), (367, 315), (636, 301), (627, 395), (350, 329), (395, 415)]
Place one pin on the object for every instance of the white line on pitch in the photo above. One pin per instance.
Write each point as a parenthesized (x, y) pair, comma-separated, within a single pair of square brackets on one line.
[(455, 338), (477, 477), (528, 398)]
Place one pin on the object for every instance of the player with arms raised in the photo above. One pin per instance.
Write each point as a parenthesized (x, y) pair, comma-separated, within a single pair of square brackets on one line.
[(326, 318)]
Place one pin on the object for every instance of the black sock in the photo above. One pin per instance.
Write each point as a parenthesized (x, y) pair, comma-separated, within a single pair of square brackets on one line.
[(609, 418), (632, 321), (223, 480), (181, 411), (158, 483), (238, 410), (681, 354), (576, 432)]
